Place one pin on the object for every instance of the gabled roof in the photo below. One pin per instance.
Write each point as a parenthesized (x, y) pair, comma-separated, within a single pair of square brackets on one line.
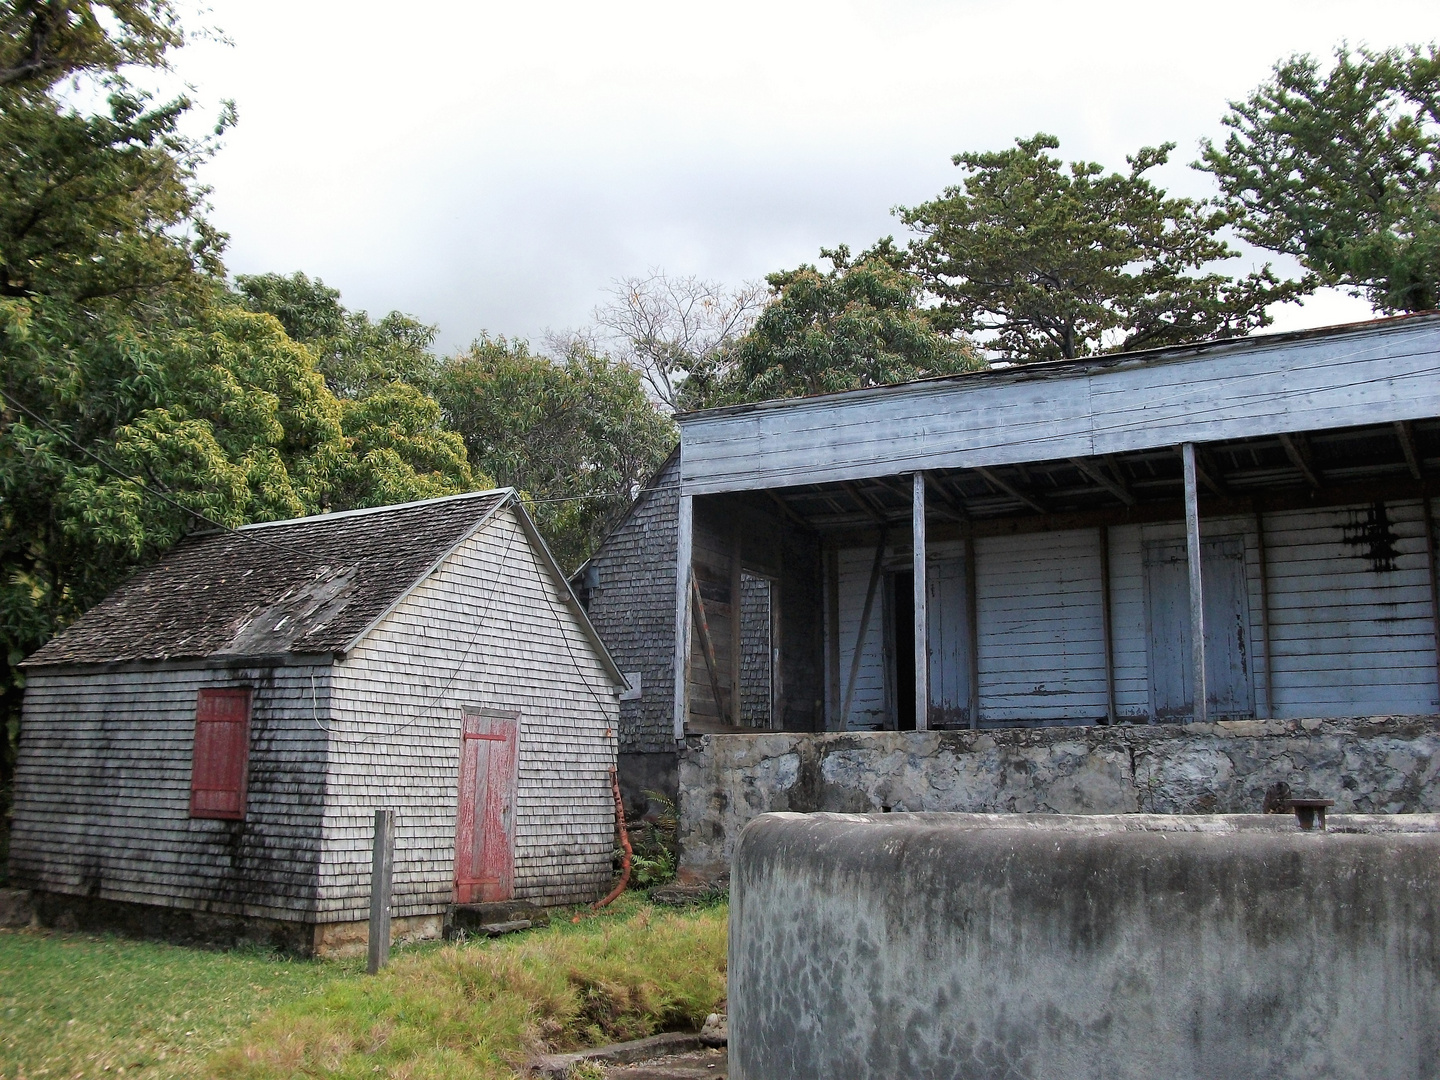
[(311, 585)]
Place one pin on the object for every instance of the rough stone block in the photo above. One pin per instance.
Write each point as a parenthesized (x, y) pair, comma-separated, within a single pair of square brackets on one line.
[(16, 908)]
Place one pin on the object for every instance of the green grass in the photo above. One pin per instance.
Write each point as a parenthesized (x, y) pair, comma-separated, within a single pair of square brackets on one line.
[(78, 1006), (74, 1006)]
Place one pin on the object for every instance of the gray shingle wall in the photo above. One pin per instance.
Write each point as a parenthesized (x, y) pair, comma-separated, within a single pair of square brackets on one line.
[(485, 630), (632, 606), (755, 652), (102, 791)]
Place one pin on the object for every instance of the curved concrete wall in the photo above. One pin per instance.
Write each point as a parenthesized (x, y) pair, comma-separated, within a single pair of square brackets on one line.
[(1127, 947)]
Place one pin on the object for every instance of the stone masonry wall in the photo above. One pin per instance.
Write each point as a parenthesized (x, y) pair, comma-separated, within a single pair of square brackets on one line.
[(1377, 765)]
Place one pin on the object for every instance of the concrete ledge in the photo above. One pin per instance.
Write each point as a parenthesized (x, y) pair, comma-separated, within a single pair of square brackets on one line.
[(949, 946), (1369, 765), (16, 908)]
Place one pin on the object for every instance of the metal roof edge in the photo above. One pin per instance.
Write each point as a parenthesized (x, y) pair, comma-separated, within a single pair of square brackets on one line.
[(1019, 371), (508, 495)]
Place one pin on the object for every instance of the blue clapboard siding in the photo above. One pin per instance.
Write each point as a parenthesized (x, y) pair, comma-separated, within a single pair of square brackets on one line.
[(1347, 639), (1375, 373)]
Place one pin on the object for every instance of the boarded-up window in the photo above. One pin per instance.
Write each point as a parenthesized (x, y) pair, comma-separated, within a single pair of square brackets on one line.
[(222, 754)]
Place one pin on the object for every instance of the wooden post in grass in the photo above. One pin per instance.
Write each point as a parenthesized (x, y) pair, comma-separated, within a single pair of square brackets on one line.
[(382, 868)]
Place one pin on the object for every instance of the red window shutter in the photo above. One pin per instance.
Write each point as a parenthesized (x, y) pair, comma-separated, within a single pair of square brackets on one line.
[(222, 754)]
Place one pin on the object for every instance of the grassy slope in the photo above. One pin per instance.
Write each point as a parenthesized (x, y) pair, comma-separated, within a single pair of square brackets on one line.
[(77, 1006), (74, 1005)]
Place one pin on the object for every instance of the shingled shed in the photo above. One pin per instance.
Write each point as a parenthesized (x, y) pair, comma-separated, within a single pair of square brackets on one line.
[(202, 753)]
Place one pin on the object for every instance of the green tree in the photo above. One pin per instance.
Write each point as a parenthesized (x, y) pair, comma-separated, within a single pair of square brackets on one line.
[(859, 324), (401, 448), (1342, 170), (355, 354), (1044, 262), (45, 41), (579, 431)]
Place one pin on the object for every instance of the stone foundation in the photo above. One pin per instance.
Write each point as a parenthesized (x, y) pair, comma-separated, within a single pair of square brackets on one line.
[(1376, 765), (178, 926), (344, 939)]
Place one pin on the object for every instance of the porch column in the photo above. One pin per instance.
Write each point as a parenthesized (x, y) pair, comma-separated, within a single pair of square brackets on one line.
[(922, 624), (684, 532), (1197, 595)]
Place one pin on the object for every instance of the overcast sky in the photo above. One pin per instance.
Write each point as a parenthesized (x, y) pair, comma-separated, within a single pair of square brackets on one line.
[(495, 166)]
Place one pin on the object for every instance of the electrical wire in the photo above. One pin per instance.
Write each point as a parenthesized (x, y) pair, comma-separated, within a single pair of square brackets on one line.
[(162, 496)]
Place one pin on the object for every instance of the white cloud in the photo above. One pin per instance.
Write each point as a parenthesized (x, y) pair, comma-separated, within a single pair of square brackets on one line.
[(495, 165)]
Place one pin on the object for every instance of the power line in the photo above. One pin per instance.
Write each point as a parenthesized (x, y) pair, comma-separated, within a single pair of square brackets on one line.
[(162, 496)]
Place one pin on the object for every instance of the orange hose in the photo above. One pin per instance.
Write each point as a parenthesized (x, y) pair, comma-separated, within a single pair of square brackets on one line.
[(624, 843)]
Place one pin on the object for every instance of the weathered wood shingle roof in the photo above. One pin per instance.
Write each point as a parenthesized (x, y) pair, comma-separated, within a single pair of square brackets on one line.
[(311, 585)]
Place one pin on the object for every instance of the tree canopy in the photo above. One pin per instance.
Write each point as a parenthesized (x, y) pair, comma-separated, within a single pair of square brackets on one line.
[(1341, 169), (1045, 261), (859, 324), (577, 435)]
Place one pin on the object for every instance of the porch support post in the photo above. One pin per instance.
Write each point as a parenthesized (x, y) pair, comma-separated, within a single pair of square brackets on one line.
[(972, 626), (1106, 629), (684, 533), (737, 586), (922, 623), (1264, 554), (1197, 595)]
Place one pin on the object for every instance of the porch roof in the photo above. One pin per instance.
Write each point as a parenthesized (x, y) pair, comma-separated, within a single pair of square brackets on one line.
[(1347, 411)]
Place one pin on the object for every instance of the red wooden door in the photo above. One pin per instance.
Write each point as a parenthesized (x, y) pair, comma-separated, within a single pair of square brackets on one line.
[(485, 823)]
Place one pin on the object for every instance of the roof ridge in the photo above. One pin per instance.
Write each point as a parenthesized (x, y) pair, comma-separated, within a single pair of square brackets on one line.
[(339, 514)]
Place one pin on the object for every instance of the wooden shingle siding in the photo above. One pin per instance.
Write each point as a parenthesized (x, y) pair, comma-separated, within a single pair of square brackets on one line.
[(1348, 639), (632, 607), (103, 791), (1378, 373), (484, 631)]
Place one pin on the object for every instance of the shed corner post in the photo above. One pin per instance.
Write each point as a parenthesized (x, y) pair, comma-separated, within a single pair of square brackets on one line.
[(684, 538), (1197, 595), (922, 621)]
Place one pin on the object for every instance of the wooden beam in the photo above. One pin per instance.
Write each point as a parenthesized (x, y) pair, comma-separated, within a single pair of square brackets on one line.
[(1298, 451), (1159, 510), (869, 505), (1096, 473), (707, 647), (1009, 489), (788, 514), (1405, 431), (1430, 558), (684, 540), (870, 592), (737, 586), (1263, 551), (922, 623), (1197, 593), (1209, 473), (947, 498), (972, 623), (1106, 629)]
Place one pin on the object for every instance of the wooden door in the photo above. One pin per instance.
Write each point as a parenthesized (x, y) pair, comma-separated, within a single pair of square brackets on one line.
[(949, 632), (1229, 687), (485, 822)]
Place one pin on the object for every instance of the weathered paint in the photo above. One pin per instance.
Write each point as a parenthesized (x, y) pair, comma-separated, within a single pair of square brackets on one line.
[(1351, 634), (1374, 373)]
